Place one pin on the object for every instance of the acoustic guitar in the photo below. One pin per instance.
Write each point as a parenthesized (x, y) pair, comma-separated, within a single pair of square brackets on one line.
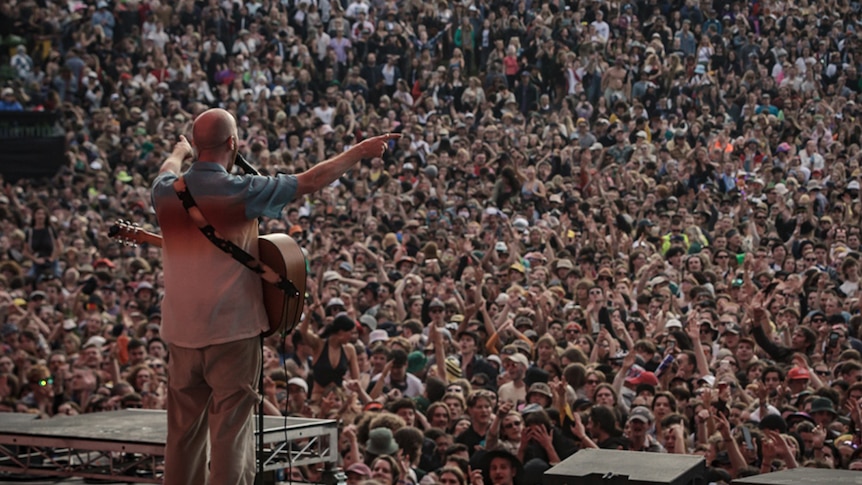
[(278, 251)]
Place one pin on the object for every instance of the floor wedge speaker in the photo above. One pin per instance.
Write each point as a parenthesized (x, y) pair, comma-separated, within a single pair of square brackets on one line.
[(804, 476), (611, 467)]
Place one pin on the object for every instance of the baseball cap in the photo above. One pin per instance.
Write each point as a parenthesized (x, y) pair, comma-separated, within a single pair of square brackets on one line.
[(518, 358), (334, 301), (298, 381), (96, 340), (107, 262), (143, 285), (360, 469), (709, 379), (798, 373), (377, 336), (641, 413), (540, 388), (368, 321), (642, 377)]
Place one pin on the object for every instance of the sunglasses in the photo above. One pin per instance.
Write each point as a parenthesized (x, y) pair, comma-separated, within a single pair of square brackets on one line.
[(46, 382), (592, 381), (573, 331), (511, 425)]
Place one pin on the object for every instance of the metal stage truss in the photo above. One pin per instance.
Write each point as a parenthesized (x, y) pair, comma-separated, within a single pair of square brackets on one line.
[(129, 445)]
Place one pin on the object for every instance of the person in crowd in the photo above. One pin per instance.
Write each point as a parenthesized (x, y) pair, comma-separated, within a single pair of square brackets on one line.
[(588, 227)]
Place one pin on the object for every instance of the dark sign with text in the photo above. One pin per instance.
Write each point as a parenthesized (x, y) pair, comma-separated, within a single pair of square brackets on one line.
[(32, 145)]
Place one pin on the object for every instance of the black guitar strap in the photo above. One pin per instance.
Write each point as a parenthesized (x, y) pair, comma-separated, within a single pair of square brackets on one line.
[(267, 273)]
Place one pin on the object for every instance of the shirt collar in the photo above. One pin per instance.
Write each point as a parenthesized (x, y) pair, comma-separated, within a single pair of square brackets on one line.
[(207, 167)]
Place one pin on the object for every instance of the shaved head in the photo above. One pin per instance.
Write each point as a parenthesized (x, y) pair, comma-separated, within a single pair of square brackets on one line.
[(214, 135)]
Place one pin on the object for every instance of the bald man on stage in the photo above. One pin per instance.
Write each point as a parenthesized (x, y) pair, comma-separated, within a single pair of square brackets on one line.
[(212, 312)]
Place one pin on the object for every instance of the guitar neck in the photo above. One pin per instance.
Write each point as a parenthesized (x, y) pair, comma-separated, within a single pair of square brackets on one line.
[(129, 233), (150, 238)]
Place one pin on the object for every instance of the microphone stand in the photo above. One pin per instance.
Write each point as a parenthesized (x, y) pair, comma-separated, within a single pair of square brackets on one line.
[(246, 167)]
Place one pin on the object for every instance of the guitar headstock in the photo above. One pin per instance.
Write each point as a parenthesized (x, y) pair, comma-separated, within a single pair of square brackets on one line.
[(132, 234), (125, 232)]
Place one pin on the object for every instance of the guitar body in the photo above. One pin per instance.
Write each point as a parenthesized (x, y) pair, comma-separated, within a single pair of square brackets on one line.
[(281, 253), (278, 251)]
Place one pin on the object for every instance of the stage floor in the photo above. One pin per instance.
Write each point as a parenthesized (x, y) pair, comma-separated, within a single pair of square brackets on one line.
[(129, 445)]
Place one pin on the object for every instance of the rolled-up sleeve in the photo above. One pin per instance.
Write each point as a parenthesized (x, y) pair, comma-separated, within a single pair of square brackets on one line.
[(267, 196)]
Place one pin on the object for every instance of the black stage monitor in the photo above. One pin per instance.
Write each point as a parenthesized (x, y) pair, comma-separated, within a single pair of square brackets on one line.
[(611, 467), (804, 476)]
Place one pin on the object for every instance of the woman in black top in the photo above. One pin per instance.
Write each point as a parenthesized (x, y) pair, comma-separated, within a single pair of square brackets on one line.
[(334, 355), (42, 245)]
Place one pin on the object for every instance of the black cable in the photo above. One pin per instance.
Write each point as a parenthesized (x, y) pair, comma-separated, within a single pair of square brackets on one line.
[(246, 167), (259, 477), (287, 403)]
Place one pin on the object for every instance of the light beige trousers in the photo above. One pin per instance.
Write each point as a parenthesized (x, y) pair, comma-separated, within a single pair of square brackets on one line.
[(212, 390)]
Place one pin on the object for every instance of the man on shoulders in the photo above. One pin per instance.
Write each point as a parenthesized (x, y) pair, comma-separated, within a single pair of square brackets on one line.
[(515, 390)]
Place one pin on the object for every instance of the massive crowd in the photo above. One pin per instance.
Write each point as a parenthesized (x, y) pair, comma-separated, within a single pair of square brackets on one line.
[(619, 225)]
